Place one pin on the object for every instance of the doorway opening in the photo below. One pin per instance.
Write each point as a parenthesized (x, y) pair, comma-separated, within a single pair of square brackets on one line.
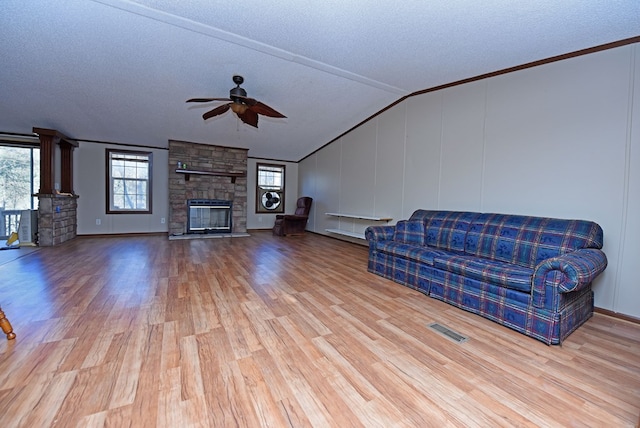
[(19, 182)]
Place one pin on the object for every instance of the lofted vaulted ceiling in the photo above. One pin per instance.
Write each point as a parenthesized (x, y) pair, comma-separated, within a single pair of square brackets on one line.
[(121, 71)]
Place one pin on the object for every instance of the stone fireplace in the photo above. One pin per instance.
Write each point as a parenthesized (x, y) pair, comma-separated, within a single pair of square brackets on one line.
[(202, 172)]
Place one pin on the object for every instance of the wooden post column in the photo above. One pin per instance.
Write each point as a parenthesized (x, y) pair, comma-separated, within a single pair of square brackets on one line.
[(48, 140), (66, 163), (57, 207)]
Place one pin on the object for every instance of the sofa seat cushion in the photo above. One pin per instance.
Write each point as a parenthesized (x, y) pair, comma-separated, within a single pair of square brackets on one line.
[(490, 271), (418, 253)]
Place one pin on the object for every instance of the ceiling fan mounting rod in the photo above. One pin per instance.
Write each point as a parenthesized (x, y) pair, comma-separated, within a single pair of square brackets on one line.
[(236, 93)]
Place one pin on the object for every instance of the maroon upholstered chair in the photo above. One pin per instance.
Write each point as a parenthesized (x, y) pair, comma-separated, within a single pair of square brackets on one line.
[(294, 224)]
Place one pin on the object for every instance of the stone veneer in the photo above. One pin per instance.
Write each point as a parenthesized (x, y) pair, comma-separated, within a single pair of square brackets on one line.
[(204, 157), (57, 219)]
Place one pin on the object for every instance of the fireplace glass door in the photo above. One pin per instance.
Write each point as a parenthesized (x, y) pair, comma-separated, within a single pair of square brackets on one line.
[(209, 216)]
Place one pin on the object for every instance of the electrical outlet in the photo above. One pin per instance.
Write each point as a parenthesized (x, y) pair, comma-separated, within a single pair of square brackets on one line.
[(162, 220), (98, 222)]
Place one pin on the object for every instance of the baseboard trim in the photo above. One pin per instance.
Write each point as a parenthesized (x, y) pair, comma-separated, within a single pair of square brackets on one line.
[(342, 238), (121, 235), (618, 315)]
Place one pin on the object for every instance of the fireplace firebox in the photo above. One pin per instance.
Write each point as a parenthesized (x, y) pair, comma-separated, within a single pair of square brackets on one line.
[(209, 216)]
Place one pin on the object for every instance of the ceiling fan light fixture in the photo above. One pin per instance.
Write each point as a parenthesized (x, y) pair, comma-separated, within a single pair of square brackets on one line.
[(238, 108)]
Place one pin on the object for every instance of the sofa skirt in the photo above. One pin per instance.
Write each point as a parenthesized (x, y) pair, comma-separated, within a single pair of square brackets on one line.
[(513, 308), (508, 307), (410, 273)]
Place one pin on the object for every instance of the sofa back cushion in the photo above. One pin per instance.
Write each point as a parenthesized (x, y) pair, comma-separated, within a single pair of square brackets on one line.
[(526, 241), (445, 230), (409, 232)]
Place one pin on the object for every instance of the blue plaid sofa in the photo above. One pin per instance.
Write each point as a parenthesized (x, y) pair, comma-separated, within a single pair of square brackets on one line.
[(532, 274)]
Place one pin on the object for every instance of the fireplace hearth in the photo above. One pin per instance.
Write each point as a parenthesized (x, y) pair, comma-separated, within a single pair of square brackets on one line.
[(209, 216)]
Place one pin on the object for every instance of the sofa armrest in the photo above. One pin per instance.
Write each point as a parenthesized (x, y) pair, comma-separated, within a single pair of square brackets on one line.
[(570, 272), (379, 233)]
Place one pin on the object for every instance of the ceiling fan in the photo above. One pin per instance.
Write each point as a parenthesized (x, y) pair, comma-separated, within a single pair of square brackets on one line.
[(246, 108)]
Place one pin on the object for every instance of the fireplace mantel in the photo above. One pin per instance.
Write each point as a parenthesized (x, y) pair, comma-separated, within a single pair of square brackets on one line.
[(233, 174)]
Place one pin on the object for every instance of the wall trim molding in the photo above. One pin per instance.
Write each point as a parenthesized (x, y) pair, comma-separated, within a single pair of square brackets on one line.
[(617, 315), (549, 60)]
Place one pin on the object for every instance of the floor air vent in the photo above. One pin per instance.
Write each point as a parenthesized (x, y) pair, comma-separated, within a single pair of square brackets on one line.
[(448, 333)]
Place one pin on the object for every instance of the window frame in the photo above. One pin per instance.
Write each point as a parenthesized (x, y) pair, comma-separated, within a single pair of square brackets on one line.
[(110, 209), (259, 209)]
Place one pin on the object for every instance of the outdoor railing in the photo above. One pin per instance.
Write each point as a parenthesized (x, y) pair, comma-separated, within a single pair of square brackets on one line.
[(9, 222)]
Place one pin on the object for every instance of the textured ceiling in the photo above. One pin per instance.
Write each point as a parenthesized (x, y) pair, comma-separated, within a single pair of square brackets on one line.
[(115, 70)]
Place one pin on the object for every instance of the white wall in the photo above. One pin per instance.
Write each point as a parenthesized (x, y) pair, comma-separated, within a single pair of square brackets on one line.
[(89, 171), (89, 183), (559, 140), (265, 221)]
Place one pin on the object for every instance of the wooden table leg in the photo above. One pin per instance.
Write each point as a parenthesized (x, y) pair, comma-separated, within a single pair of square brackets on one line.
[(6, 326)]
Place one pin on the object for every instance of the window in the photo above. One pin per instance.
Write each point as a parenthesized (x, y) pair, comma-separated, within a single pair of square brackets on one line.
[(128, 182), (270, 188)]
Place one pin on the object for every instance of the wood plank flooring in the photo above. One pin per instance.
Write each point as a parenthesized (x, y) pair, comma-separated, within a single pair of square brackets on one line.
[(263, 331)]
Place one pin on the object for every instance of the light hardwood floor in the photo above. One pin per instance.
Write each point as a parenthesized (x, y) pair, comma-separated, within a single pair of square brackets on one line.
[(267, 331)]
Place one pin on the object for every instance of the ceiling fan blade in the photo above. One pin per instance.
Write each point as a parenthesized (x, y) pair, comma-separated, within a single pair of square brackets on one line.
[(249, 117), (216, 111), (265, 110), (206, 100), (261, 108)]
